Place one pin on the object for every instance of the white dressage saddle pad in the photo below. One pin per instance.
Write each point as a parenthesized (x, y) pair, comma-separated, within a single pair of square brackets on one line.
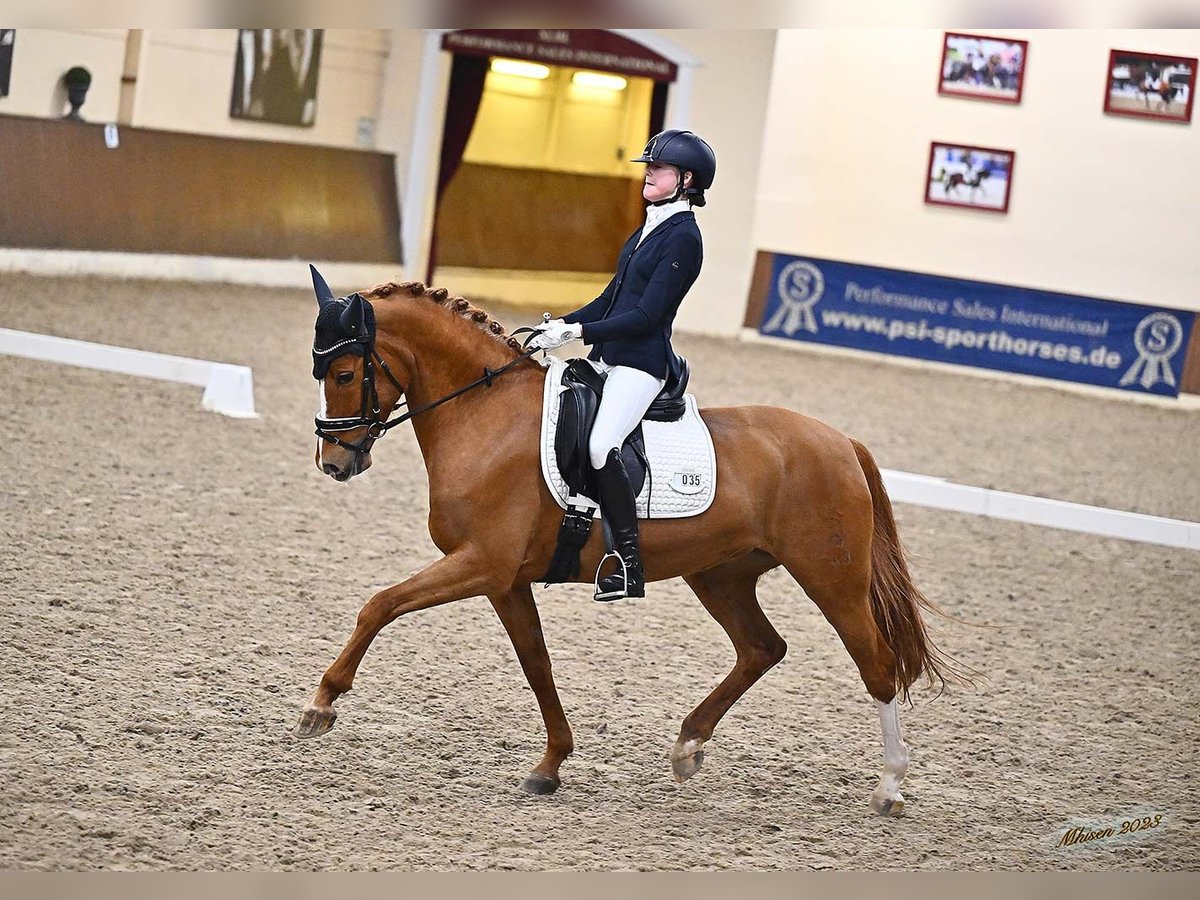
[(682, 480)]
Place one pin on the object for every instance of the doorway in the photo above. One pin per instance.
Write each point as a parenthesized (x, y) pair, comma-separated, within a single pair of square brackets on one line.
[(542, 194)]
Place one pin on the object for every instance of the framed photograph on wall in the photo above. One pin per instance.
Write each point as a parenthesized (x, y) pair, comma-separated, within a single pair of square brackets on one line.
[(8, 37), (972, 177), (983, 67), (1150, 85), (275, 75)]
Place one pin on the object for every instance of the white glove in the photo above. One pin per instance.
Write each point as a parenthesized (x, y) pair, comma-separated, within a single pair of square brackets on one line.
[(555, 334)]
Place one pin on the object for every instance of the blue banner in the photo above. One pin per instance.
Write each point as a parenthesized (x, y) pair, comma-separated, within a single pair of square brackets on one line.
[(974, 323)]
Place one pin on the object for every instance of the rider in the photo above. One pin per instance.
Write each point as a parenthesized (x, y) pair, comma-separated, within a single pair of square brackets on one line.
[(629, 328)]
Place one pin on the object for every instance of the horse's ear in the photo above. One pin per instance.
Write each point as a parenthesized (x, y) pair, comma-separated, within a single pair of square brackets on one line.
[(324, 294), (354, 317)]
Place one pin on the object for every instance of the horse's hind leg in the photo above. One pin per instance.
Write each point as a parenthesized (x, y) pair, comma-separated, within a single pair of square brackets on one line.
[(846, 604), (887, 799), (518, 613), (727, 592)]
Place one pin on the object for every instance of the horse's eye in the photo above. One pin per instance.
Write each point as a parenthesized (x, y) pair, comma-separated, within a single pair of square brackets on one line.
[(345, 377)]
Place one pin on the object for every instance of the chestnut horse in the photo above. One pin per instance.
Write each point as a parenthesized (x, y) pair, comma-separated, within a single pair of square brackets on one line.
[(791, 491)]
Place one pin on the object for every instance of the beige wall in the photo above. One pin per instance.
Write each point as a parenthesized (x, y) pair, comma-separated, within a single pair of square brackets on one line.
[(42, 57), (185, 81), (729, 110), (400, 126), (177, 60), (1100, 205), (399, 87)]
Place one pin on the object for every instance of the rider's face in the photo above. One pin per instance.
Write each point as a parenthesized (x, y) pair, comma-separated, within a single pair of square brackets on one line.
[(661, 181)]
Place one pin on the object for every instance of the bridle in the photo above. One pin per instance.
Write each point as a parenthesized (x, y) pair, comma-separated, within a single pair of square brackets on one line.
[(369, 411)]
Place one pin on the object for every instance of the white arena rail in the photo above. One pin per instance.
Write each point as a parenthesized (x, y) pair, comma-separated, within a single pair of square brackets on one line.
[(228, 390), (938, 493)]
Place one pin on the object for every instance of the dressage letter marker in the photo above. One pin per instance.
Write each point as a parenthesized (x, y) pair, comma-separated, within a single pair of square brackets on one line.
[(228, 390)]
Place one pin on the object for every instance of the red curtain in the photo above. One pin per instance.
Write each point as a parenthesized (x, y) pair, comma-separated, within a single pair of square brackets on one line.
[(467, 76)]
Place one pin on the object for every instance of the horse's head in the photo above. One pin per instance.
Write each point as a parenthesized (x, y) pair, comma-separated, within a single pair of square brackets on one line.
[(429, 348), (354, 405)]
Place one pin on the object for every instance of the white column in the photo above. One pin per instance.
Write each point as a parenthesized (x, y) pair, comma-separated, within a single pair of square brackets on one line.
[(679, 106), (417, 205)]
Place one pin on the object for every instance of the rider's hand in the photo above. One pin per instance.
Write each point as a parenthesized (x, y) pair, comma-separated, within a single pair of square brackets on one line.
[(554, 334)]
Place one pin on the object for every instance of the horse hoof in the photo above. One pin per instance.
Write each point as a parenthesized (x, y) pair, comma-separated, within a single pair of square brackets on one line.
[(888, 806), (686, 759), (315, 721), (537, 783)]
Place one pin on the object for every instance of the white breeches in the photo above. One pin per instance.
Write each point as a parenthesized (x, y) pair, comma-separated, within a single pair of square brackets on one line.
[(628, 393)]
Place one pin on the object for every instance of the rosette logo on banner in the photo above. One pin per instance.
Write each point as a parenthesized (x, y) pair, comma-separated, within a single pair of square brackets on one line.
[(800, 285), (1157, 339)]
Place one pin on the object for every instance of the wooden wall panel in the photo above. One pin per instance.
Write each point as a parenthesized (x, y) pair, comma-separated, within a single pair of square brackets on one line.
[(495, 217), (170, 192), (1190, 381), (760, 288)]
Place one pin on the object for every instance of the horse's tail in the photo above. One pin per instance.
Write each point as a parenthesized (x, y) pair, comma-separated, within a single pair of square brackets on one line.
[(896, 603)]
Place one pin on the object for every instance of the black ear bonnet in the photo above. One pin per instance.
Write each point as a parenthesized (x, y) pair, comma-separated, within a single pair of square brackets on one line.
[(343, 326)]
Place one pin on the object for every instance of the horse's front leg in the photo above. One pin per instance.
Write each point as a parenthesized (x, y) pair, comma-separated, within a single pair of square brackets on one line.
[(518, 613), (454, 577)]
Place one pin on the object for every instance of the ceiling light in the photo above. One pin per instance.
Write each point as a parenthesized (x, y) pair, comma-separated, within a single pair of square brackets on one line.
[(520, 68), (599, 80)]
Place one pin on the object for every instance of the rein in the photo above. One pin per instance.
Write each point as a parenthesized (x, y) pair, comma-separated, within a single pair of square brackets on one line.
[(377, 428)]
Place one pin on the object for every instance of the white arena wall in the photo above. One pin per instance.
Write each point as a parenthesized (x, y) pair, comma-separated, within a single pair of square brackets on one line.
[(176, 61), (185, 81), (1101, 205), (822, 135), (729, 107), (42, 56)]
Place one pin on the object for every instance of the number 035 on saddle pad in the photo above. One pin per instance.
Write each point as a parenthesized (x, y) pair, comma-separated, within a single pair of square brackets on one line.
[(676, 458)]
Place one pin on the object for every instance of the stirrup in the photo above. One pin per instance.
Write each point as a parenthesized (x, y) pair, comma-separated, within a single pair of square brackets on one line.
[(612, 595)]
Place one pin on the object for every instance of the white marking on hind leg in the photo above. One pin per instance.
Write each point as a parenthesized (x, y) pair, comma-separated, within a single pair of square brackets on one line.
[(887, 799)]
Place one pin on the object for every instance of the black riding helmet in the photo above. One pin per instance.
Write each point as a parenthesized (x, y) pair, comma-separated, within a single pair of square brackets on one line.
[(688, 152)]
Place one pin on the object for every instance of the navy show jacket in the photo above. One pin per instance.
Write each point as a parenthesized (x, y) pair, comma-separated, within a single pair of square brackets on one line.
[(629, 324)]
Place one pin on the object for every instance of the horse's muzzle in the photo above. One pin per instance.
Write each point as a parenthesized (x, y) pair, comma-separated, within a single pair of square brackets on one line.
[(344, 470), (336, 473)]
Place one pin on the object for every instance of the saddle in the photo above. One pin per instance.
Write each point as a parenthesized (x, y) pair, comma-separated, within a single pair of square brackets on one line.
[(578, 403), (581, 388)]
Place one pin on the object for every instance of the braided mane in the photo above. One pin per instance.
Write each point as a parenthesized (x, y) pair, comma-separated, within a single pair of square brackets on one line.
[(458, 305)]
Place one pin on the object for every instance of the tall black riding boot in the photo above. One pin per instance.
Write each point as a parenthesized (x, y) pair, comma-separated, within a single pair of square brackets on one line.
[(618, 506)]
